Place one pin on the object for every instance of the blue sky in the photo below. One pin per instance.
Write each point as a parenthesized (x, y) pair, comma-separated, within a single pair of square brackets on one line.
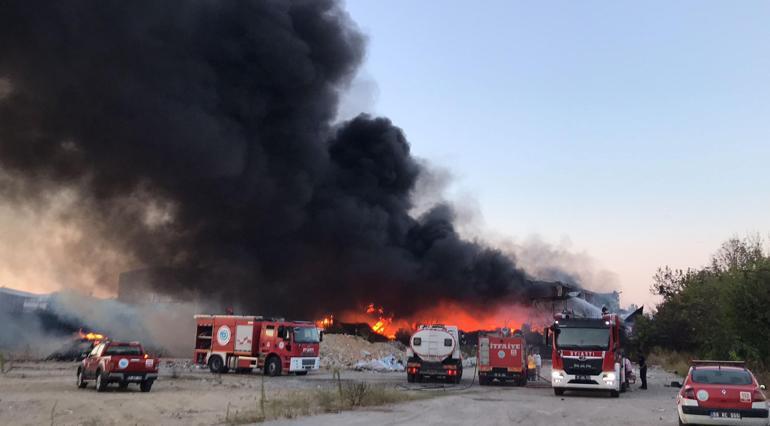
[(637, 131)]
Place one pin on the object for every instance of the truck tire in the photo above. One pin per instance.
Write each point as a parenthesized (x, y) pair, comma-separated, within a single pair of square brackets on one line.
[(79, 380), (558, 391), (273, 366), (101, 381), (217, 365), (410, 378), (145, 386)]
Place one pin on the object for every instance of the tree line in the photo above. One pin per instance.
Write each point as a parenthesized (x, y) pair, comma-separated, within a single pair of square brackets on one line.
[(720, 311)]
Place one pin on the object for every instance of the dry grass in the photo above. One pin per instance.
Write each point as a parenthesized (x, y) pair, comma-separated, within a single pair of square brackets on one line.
[(671, 361), (306, 402)]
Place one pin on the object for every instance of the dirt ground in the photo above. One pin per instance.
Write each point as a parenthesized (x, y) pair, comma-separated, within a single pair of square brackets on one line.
[(45, 393), (533, 405)]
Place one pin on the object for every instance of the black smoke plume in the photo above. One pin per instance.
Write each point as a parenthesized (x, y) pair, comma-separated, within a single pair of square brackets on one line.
[(199, 135)]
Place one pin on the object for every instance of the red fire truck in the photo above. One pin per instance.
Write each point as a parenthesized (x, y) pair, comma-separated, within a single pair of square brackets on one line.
[(502, 357), (243, 343), (587, 354)]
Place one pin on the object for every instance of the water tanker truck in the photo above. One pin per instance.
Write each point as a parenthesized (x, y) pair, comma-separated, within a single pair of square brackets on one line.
[(434, 353)]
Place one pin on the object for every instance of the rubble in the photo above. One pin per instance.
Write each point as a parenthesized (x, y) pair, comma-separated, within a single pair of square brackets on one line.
[(387, 363), (352, 352)]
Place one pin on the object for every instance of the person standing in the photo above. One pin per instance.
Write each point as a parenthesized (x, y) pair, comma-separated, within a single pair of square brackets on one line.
[(531, 366), (538, 364), (643, 371)]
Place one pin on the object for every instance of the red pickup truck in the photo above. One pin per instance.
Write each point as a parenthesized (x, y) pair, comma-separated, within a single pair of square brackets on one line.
[(118, 362)]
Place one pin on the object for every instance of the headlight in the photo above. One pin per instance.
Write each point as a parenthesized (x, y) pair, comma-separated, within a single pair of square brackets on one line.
[(609, 376)]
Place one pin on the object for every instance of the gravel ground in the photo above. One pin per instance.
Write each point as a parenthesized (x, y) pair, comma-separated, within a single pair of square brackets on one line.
[(45, 393), (533, 405)]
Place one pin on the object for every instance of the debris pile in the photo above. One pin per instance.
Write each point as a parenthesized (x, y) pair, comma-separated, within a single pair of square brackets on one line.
[(353, 352)]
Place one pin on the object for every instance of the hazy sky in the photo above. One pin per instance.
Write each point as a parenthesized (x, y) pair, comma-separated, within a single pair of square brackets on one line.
[(638, 132)]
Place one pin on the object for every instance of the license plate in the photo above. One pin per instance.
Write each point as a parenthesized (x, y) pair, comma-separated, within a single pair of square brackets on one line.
[(134, 377), (584, 378), (724, 415)]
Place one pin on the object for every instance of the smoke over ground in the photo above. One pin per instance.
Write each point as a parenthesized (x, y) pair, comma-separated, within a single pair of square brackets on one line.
[(199, 135)]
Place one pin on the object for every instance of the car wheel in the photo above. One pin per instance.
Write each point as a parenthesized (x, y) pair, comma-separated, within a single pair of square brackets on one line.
[(558, 391), (101, 382), (273, 366), (216, 365), (81, 383)]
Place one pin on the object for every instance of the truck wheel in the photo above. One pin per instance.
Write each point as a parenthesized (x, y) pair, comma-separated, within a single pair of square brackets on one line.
[(273, 366), (101, 381), (216, 365), (80, 381), (558, 391), (145, 386), (410, 378)]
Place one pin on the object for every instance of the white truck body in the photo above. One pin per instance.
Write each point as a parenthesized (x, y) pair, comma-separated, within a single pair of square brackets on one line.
[(432, 343), (434, 351)]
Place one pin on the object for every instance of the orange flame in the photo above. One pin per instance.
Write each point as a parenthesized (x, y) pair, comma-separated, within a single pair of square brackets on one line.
[(325, 322), (443, 312), (94, 337)]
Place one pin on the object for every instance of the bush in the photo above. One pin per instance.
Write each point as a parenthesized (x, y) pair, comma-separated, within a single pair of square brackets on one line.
[(354, 393)]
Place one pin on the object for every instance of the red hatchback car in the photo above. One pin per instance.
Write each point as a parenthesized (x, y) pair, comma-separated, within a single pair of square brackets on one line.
[(721, 393)]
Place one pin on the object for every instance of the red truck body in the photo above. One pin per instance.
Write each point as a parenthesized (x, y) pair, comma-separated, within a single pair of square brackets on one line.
[(502, 357), (243, 343), (587, 354), (118, 362)]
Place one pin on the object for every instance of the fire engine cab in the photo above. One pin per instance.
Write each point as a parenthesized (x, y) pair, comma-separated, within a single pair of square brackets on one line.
[(243, 343), (587, 354)]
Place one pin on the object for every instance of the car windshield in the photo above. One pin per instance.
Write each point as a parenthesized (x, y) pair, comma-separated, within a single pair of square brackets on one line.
[(123, 350), (721, 377), (306, 335), (583, 338)]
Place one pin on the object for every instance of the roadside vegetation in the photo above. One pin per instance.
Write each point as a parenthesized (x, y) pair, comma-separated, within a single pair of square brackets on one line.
[(344, 395), (721, 311)]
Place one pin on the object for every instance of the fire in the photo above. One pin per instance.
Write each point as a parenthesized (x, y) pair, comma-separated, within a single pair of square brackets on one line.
[(325, 322), (445, 312), (91, 336)]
